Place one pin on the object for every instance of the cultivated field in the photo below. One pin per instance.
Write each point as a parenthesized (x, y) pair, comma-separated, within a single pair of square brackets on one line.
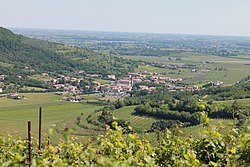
[(14, 114), (140, 123)]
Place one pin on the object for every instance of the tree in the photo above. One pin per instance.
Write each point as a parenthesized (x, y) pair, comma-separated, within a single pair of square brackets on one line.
[(236, 108)]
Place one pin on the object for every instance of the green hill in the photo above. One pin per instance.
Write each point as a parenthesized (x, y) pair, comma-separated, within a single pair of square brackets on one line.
[(22, 56)]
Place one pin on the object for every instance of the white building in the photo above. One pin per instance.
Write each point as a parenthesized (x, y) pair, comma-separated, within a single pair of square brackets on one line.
[(111, 76)]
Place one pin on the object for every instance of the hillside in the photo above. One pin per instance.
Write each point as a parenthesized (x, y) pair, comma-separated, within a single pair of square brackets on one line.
[(21, 56), (20, 51)]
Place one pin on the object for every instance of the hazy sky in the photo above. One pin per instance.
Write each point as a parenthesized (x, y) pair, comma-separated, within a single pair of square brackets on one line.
[(217, 17)]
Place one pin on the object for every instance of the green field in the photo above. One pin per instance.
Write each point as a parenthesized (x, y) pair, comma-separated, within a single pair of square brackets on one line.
[(14, 114), (102, 81), (243, 102)]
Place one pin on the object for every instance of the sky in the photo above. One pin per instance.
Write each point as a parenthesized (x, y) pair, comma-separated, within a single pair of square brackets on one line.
[(207, 17)]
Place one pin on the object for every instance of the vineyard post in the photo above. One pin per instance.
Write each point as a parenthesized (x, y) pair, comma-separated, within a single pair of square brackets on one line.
[(48, 141), (29, 141), (40, 128)]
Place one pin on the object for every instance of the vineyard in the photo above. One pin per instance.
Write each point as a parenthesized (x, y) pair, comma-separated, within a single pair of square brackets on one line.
[(117, 148), (197, 131), (138, 122)]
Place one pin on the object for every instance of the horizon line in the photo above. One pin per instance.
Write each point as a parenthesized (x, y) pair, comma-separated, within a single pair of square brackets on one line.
[(132, 32)]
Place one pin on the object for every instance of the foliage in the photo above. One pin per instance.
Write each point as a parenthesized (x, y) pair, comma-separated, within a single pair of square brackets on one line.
[(114, 148), (237, 91)]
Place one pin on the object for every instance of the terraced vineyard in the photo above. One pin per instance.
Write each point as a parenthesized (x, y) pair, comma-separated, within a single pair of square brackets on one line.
[(140, 123)]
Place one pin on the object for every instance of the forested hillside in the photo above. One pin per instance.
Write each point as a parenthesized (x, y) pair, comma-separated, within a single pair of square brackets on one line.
[(20, 51), (21, 56)]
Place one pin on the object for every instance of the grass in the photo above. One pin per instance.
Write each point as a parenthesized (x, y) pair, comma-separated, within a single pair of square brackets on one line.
[(14, 114), (247, 123), (234, 71), (6, 64), (40, 77), (243, 102), (102, 81), (29, 88)]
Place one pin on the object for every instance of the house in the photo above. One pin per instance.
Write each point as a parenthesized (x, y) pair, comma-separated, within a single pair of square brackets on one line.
[(96, 83), (151, 88), (14, 96), (216, 83), (45, 74), (175, 79), (72, 88), (136, 81), (2, 77), (143, 87), (154, 78), (111, 76), (93, 75), (60, 76), (124, 82), (67, 78), (165, 78), (80, 72), (58, 86), (47, 81)]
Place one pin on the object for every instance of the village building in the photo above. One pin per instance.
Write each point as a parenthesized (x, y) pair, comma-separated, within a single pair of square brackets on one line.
[(111, 76), (2, 77)]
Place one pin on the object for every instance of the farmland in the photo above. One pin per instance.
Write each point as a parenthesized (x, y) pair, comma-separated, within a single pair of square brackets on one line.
[(14, 114), (144, 123), (138, 122), (227, 69)]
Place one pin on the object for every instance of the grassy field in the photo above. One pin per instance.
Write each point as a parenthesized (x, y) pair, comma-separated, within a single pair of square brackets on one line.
[(102, 81), (14, 114), (40, 77), (243, 102), (6, 64)]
